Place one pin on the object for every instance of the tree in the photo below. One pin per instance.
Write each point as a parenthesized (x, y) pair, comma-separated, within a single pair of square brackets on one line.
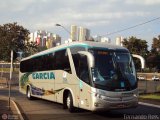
[(155, 45), (31, 48), (14, 37), (136, 46), (153, 60)]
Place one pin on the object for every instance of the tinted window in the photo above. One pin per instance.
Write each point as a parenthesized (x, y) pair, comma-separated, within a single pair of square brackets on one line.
[(62, 61), (81, 67), (81, 64), (53, 61)]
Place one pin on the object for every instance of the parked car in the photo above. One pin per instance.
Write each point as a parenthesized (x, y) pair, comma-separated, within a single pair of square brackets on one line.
[(141, 77), (155, 78)]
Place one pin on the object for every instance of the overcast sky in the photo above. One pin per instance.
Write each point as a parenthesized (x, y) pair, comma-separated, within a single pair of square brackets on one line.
[(100, 16)]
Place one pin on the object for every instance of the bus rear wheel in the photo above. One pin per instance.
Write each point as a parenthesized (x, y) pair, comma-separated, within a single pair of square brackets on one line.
[(69, 103)]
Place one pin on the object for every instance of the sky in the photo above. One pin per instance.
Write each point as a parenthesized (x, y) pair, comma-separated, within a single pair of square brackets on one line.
[(100, 16)]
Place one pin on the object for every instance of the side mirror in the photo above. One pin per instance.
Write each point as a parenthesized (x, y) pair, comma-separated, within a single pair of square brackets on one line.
[(89, 57), (141, 59)]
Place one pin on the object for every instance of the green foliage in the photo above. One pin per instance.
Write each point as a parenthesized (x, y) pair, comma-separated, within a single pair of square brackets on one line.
[(14, 37), (136, 46), (153, 60), (139, 47), (151, 96), (156, 45), (41, 48)]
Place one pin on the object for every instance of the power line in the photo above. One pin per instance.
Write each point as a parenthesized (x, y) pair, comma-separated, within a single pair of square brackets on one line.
[(132, 26)]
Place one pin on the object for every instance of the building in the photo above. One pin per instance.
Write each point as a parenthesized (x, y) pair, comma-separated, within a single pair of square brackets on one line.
[(83, 34), (45, 38), (97, 38), (79, 34), (105, 39), (74, 31), (56, 40), (119, 41), (31, 36), (87, 34)]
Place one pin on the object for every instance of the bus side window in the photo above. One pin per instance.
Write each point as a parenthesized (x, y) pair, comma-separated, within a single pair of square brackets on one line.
[(62, 61)]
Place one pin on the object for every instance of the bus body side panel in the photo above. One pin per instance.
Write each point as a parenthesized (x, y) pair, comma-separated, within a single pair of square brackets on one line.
[(40, 83), (65, 81), (21, 89), (43, 85), (49, 89), (85, 95)]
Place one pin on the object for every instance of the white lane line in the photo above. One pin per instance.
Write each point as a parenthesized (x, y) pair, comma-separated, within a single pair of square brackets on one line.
[(148, 104)]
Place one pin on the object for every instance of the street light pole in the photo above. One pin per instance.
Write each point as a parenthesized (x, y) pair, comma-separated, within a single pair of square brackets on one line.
[(11, 71), (64, 28)]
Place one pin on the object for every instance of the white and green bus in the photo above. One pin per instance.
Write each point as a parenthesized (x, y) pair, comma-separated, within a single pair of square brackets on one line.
[(88, 75)]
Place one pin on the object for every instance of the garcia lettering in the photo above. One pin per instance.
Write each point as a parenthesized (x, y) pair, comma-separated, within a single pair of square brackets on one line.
[(44, 75)]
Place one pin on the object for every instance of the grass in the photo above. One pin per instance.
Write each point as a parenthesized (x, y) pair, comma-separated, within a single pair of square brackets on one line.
[(151, 96), (8, 69)]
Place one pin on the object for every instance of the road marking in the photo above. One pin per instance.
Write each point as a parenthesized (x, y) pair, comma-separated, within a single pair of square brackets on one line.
[(148, 104), (18, 111)]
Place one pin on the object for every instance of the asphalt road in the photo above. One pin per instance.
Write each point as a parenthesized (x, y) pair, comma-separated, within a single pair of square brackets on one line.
[(45, 110)]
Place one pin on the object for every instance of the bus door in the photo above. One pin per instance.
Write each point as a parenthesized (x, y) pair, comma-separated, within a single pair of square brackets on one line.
[(85, 80)]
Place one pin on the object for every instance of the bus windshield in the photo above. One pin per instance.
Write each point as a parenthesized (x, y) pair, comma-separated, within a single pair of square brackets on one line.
[(113, 71)]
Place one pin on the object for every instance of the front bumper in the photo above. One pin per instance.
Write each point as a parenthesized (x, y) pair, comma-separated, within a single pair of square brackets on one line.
[(114, 101), (106, 105)]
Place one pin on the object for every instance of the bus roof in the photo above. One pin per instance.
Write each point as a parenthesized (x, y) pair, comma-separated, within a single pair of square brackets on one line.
[(86, 44)]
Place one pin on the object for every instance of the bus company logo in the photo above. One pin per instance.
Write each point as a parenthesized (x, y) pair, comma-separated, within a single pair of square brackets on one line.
[(44, 75), (4, 116)]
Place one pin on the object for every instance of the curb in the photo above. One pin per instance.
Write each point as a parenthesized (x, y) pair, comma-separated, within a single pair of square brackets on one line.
[(18, 111), (148, 104)]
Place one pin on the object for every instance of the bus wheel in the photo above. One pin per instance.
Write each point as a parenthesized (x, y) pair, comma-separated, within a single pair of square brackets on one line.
[(69, 102), (29, 93)]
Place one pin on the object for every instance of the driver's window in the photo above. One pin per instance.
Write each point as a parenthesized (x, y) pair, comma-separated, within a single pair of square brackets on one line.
[(81, 66)]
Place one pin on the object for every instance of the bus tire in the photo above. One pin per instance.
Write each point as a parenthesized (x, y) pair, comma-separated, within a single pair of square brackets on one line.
[(65, 94), (69, 103), (28, 93)]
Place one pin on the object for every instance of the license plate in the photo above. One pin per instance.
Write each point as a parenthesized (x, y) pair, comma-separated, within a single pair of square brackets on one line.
[(121, 105)]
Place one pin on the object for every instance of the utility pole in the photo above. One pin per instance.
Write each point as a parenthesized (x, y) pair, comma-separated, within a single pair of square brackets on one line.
[(11, 71)]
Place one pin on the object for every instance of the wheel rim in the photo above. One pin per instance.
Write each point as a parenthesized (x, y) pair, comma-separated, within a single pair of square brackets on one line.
[(68, 102), (28, 93)]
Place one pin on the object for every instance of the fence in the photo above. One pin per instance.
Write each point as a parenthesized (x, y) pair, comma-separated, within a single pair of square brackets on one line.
[(5, 73), (148, 86)]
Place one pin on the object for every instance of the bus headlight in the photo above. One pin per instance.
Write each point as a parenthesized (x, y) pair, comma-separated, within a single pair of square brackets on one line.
[(97, 95), (135, 95), (100, 96)]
